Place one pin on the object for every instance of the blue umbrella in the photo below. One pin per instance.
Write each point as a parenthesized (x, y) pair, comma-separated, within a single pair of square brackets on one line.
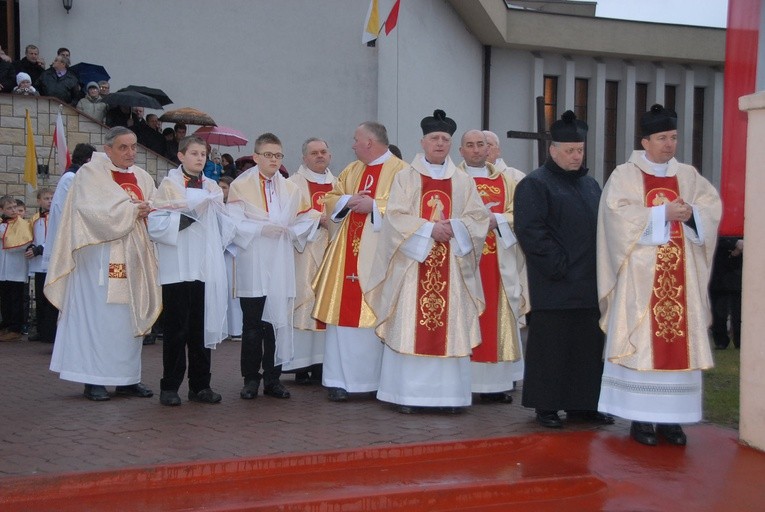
[(87, 72)]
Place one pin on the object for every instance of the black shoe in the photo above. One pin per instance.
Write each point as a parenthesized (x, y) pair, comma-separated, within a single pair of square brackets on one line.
[(206, 396), (150, 339), (250, 390), (169, 397), (276, 391), (407, 409), (302, 378), (502, 397), (595, 417), (337, 395), (136, 390), (34, 337), (549, 419), (95, 393), (673, 433), (643, 433)]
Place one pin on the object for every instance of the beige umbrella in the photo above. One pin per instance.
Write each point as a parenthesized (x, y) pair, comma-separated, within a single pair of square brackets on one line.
[(187, 115)]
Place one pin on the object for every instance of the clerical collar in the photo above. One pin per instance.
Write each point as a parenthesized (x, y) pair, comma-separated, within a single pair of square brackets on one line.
[(119, 169), (317, 177), (477, 172), (436, 171), (659, 170), (381, 159)]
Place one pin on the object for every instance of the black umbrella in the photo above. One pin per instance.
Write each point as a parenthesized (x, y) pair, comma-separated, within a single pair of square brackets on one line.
[(131, 99), (87, 72), (157, 94)]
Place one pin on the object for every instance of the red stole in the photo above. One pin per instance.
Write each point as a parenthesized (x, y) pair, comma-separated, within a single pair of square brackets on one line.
[(317, 191), (491, 191), (432, 318), (351, 297), (668, 308), (129, 184)]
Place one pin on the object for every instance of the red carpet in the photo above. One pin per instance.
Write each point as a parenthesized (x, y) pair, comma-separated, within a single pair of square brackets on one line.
[(539, 472)]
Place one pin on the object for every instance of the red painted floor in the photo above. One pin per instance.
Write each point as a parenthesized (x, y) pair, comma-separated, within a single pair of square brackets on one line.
[(569, 471)]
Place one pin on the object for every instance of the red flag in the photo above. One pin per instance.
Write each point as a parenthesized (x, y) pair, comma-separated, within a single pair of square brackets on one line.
[(390, 22), (63, 157)]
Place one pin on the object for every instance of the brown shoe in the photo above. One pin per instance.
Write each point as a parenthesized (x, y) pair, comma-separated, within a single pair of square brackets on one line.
[(11, 336)]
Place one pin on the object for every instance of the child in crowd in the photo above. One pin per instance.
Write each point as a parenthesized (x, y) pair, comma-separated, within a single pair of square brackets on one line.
[(47, 314), (234, 308), (190, 228), (24, 85), (16, 234)]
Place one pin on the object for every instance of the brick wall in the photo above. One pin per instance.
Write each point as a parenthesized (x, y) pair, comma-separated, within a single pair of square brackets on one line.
[(79, 128)]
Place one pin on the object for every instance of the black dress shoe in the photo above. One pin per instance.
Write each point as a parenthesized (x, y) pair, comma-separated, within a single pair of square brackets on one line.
[(502, 397), (276, 391), (595, 417), (673, 433), (250, 390), (302, 378), (95, 393), (206, 396), (407, 409), (643, 433), (169, 397), (549, 419), (136, 390), (337, 395)]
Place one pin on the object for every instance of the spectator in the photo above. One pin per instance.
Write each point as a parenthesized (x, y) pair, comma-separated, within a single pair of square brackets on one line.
[(213, 168), (103, 87), (7, 72), (229, 166), (24, 86), (58, 82), (31, 63), (149, 136), (92, 104)]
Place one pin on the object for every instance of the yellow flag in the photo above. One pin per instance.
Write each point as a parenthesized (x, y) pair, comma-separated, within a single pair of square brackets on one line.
[(30, 163)]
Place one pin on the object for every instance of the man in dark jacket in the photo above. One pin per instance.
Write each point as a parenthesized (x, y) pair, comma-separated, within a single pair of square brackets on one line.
[(56, 81), (556, 209), (31, 63)]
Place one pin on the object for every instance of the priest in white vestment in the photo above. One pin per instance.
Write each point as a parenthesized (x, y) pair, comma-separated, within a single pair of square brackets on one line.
[(356, 207), (102, 275), (425, 289), (657, 227), (315, 180), (498, 361)]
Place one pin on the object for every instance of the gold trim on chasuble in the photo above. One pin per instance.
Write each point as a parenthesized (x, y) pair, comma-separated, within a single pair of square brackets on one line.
[(431, 329), (669, 320)]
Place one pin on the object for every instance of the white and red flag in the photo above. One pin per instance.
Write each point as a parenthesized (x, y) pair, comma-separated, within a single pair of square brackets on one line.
[(381, 13), (63, 157)]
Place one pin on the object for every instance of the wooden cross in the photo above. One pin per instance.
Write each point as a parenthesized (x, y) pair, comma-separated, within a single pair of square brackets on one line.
[(542, 136)]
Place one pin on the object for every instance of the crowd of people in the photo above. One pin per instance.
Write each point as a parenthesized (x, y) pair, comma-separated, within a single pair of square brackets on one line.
[(410, 280)]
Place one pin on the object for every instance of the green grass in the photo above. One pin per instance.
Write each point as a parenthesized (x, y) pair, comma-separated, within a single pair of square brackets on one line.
[(721, 389)]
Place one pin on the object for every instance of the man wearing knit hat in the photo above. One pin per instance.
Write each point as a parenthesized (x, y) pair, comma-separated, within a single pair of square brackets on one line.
[(555, 222), (657, 228), (424, 287)]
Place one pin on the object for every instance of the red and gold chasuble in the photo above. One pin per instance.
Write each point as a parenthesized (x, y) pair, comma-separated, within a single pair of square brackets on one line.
[(492, 193), (432, 319), (351, 297), (668, 307), (317, 191), (129, 184)]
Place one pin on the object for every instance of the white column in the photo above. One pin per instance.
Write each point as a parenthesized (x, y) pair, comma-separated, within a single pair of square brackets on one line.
[(537, 76), (626, 114), (713, 127), (684, 109), (569, 84), (656, 89), (752, 410), (596, 137)]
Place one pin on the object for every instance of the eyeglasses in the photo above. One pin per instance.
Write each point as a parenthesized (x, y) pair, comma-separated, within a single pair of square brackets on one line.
[(268, 155)]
